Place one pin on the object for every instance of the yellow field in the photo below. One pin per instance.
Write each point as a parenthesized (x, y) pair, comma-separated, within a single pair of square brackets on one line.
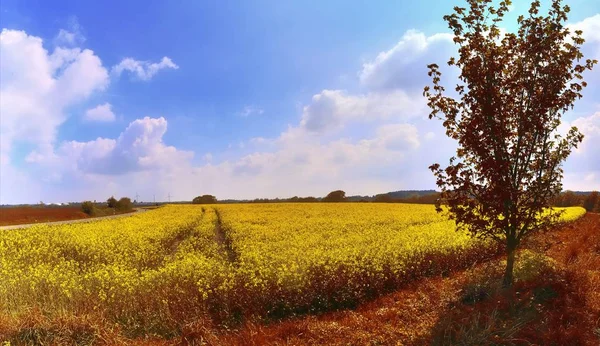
[(156, 272)]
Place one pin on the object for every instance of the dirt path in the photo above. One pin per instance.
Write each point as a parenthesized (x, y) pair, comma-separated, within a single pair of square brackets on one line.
[(224, 241), (91, 219)]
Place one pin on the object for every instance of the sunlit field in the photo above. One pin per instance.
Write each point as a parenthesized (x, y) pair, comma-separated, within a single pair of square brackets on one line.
[(218, 265)]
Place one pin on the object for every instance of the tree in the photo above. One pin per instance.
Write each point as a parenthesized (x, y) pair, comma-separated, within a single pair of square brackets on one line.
[(88, 208), (124, 204), (335, 196), (205, 199), (111, 202), (591, 201), (514, 89)]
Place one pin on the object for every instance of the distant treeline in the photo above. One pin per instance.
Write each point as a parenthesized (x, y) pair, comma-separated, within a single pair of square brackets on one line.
[(410, 196), (589, 200)]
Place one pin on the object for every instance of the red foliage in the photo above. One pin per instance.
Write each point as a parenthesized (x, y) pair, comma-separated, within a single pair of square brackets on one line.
[(515, 89)]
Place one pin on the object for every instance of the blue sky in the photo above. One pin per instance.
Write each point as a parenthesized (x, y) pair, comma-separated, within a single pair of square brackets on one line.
[(239, 99)]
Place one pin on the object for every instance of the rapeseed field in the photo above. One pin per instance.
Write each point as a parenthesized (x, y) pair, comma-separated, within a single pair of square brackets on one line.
[(157, 272)]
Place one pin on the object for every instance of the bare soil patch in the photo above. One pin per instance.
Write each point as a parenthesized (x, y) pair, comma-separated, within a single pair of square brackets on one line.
[(26, 215)]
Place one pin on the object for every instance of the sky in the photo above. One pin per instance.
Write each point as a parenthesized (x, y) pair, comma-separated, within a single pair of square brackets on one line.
[(239, 99)]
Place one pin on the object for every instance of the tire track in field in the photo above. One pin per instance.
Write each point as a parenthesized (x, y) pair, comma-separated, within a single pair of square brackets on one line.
[(173, 244), (224, 241)]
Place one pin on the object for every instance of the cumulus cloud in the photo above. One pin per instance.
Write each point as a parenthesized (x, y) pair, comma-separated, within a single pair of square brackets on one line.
[(140, 147), (333, 108), (587, 156), (143, 70), (591, 50), (590, 27), (303, 165), (36, 87), (300, 164), (405, 64), (100, 113)]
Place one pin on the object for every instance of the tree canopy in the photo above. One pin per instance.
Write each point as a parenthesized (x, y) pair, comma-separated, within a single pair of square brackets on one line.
[(513, 90), (111, 202), (205, 199), (335, 196)]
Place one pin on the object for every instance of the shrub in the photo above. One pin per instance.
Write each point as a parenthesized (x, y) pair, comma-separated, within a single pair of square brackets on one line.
[(124, 204), (88, 207), (111, 202)]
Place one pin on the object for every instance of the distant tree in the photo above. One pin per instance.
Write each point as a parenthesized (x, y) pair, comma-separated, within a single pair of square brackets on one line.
[(592, 201), (513, 92), (335, 196), (111, 202), (88, 207), (124, 204), (205, 199)]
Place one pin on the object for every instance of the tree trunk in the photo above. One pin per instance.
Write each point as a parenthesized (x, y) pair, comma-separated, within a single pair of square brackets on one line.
[(508, 279)]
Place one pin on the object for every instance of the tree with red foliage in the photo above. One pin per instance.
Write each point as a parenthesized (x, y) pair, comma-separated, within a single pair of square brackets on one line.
[(514, 90)]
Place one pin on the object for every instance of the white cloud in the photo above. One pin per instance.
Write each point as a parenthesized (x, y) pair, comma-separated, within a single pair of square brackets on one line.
[(398, 136), (249, 110), (333, 108), (588, 153), (100, 113), (143, 70), (405, 64), (302, 165), (590, 27), (68, 38), (36, 87), (71, 36), (140, 147), (591, 33)]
